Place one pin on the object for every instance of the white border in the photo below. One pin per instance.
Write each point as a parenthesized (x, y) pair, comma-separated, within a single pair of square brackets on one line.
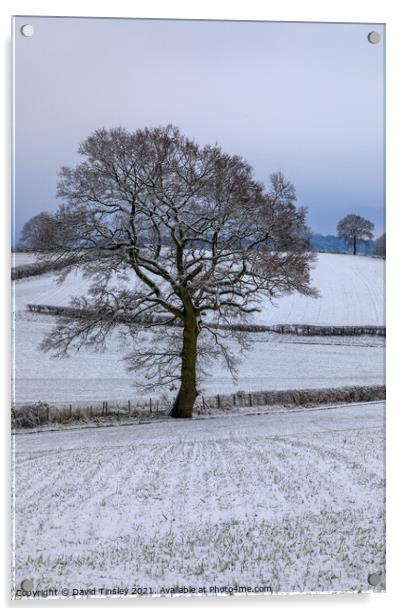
[(381, 11)]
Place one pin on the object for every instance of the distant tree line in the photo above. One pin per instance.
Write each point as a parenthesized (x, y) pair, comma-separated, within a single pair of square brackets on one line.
[(41, 234), (335, 244), (354, 234), (379, 248)]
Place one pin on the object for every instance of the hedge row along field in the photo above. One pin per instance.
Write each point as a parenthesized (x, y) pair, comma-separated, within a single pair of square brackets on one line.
[(297, 329), (32, 415)]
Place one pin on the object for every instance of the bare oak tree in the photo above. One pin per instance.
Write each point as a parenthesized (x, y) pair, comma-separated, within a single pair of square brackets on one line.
[(354, 229), (184, 243)]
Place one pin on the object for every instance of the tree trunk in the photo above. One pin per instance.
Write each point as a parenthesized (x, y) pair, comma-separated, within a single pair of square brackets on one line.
[(354, 244), (184, 403)]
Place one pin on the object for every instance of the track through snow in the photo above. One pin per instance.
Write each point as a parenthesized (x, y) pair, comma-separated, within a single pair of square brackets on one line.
[(294, 501)]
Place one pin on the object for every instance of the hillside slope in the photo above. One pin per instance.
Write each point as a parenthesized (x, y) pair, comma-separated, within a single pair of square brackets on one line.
[(351, 293)]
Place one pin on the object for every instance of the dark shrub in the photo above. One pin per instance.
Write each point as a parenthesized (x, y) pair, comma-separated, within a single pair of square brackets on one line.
[(30, 415)]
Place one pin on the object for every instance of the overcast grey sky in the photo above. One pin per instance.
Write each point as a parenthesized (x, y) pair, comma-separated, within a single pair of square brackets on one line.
[(306, 99)]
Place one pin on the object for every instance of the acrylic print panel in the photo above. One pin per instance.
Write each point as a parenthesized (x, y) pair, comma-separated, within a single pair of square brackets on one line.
[(198, 275)]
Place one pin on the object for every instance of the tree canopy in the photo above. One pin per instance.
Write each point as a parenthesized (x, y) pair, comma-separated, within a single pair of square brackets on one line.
[(184, 242), (353, 229), (39, 233)]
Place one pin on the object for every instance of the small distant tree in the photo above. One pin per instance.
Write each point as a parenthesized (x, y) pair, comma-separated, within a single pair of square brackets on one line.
[(354, 229), (183, 240), (379, 248), (39, 233)]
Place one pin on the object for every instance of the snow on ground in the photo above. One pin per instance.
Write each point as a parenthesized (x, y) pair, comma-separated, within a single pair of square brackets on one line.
[(274, 362), (351, 288), (294, 501), (352, 292), (22, 258)]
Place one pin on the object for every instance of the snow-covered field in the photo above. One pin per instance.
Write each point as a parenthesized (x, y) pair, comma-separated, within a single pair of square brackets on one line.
[(351, 288), (289, 500), (22, 258), (274, 362), (293, 501), (351, 293)]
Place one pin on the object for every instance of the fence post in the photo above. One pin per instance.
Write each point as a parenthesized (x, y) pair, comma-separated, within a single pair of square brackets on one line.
[(106, 409), (129, 408), (150, 405), (218, 401), (71, 411), (203, 404), (250, 399)]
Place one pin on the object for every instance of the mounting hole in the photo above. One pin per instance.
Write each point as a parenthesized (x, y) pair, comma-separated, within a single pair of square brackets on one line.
[(374, 579), (374, 37), (27, 30), (27, 585)]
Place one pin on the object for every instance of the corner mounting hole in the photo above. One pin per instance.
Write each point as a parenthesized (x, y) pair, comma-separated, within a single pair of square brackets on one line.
[(374, 579), (27, 585), (27, 30), (374, 37)]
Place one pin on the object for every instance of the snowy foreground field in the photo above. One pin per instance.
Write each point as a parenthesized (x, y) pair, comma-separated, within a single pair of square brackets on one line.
[(289, 500)]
